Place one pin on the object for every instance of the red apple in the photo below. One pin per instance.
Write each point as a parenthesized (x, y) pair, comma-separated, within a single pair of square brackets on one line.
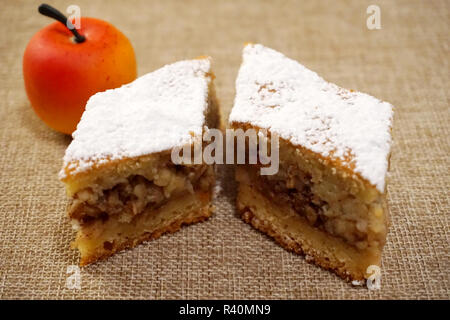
[(61, 74)]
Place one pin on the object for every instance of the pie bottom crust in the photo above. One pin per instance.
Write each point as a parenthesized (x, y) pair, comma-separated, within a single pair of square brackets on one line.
[(149, 225), (294, 233)]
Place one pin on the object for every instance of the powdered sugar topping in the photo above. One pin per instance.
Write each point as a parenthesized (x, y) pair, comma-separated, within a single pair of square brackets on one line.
[(156, 112), (276, 93)]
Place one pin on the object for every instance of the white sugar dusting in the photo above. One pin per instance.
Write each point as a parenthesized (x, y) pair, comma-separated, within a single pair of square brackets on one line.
[(277, 93), (156, 112)]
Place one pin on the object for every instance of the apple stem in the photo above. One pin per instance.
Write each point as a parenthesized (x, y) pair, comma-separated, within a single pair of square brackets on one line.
[(51, 12)]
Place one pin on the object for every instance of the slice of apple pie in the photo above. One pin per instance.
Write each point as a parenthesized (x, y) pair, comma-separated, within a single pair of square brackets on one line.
[(118, 171), (328, 198)]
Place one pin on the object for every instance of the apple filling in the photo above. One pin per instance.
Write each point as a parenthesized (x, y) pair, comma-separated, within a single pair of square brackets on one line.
[(138, 193), (323, 205)]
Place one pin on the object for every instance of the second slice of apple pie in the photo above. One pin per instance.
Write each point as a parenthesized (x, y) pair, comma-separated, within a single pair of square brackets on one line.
[(328, 198)]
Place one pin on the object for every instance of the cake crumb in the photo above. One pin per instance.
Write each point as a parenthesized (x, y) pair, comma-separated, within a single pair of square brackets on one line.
[(357, 283)]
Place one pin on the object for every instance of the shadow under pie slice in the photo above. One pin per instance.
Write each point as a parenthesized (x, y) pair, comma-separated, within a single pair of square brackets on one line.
[(328, 198), (123, 186)]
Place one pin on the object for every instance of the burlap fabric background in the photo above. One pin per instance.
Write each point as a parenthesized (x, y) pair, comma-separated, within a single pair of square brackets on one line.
[(405, 63)]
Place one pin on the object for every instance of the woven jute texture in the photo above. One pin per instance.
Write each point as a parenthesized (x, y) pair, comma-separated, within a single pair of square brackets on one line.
[(405, 63)]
